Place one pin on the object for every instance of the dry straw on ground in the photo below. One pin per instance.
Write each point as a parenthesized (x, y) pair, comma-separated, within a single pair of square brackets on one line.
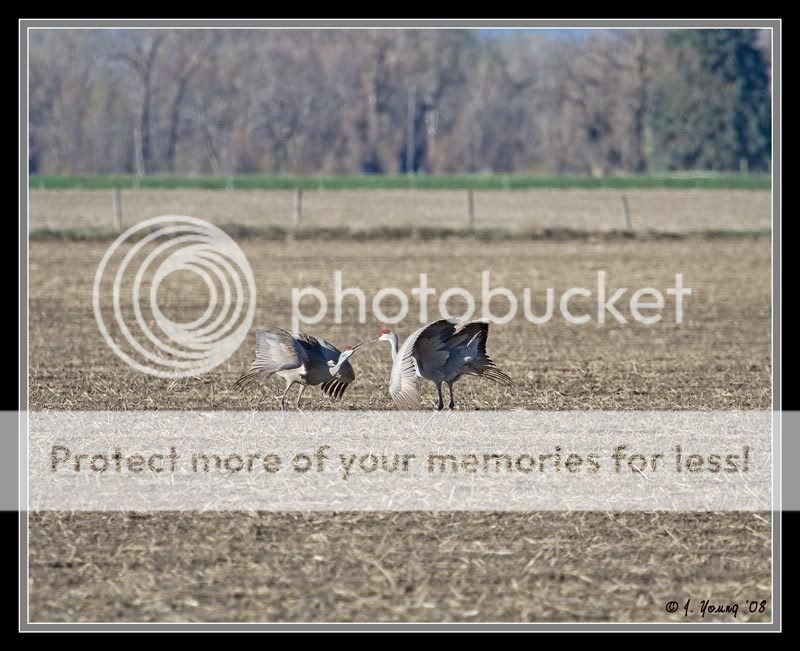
[(419, 566)]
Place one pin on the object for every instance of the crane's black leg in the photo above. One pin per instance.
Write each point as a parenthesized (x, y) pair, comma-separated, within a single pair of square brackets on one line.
[(440, 405), (300, 395), (452, 399), (282, 399)]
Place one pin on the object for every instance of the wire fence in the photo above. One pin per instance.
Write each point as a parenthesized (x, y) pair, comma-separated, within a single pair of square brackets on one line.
[(579, 209)]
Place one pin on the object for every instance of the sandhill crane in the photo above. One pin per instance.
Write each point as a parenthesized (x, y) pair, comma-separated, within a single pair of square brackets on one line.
[(441, 351), (300, 359)]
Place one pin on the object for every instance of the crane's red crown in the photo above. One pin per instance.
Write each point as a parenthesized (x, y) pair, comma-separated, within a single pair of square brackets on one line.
[(385, 331)]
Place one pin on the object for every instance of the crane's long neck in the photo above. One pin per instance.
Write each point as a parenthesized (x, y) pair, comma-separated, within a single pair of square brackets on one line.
[(393, 344), (335, 368)]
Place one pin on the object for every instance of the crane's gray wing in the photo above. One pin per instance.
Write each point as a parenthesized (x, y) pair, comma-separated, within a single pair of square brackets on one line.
[(336, 386), (468, 349), (322, 352), (318, 346), (422, 351), (316, 350), (430, 347), (471, 335), (276, 350)]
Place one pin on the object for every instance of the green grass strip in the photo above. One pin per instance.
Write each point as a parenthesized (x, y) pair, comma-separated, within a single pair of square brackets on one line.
[(402, 182)]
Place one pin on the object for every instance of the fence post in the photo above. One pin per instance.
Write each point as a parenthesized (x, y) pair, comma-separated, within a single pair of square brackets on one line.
[(117, 210), (298, 207), (470, 208), (627, 213)]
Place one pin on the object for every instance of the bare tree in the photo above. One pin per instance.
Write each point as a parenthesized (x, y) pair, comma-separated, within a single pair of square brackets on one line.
[(372, 101), (186, 52), (140, 52)]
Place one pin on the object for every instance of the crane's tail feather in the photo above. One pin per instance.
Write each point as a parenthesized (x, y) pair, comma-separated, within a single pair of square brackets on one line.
[(253, 374), (496, 375), (487, 368)]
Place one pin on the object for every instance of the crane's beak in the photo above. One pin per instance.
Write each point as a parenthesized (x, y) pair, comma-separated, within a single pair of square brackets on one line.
[(364, 343)]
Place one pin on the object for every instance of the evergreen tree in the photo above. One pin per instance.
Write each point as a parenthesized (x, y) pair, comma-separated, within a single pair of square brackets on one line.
[(712, 104)]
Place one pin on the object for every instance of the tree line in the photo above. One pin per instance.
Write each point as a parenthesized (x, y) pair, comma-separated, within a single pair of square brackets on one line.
[(227, 102)]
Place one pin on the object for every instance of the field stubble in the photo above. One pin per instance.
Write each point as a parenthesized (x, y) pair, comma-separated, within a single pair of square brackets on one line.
[(419, 566), (719, 358)]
